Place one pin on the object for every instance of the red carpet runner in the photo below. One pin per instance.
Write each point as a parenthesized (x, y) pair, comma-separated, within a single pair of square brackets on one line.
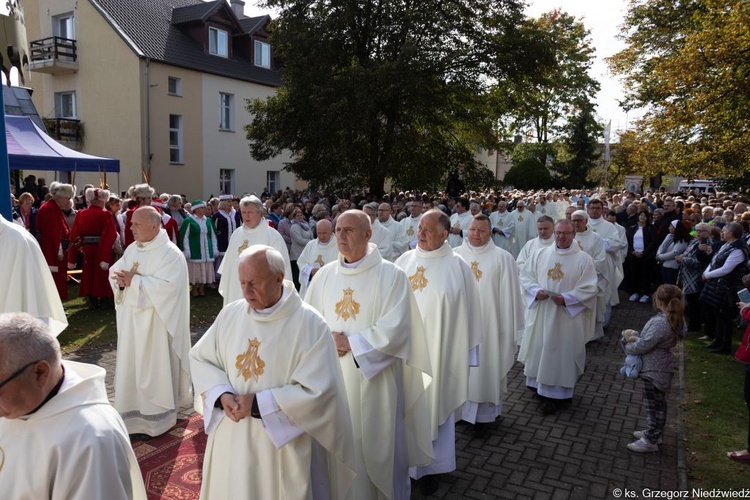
[(171, 464)]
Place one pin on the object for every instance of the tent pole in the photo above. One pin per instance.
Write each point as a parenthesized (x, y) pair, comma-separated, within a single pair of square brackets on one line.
[(5, 208)]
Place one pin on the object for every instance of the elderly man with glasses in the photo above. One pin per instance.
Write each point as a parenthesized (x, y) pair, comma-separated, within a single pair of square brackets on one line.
[(59, 436)]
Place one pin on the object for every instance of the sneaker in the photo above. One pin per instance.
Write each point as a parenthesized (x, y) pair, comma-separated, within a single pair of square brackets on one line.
[(645, 299), (643, 446), (639, 435), (634, 297)]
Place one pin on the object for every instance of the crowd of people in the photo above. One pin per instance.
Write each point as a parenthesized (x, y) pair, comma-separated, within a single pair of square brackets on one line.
[(425, 300)]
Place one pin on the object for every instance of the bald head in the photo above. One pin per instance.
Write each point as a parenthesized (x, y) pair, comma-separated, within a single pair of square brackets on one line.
[(324, 229), (145, 224), (353, 232), (261, 270)]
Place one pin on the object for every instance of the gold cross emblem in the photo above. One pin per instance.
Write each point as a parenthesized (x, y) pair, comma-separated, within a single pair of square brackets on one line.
[(475, 269), (243, 247), (499, 223), (347, 307), (417, 280), (319, 260), (134, 269), (556, 273), (520, 218), (544, 210), (249, 364), (410, 231)]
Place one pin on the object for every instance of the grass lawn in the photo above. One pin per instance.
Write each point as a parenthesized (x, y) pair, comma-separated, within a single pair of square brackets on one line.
[(91, 329), (716, 417)]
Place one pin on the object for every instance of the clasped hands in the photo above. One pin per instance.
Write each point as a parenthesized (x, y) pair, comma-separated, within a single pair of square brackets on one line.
[(342, 343), (123, 278), (557, 299), (237, 407)]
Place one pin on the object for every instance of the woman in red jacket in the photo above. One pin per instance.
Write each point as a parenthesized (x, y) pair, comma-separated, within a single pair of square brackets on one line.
[(54, 234)]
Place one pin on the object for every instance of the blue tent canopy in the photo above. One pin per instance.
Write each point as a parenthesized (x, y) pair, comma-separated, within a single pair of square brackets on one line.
[(30, 148)]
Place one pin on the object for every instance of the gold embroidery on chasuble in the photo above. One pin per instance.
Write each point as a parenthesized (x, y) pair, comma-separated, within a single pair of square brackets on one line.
[(580, 246), (243, 247), (417, 280), (410, 231), (134, 269), (499, 223), (544, 211), (120, 296), (520, 219), (249, 363), (347, 307), (475, 269), (556, 273), (2, 458), (319, 260)]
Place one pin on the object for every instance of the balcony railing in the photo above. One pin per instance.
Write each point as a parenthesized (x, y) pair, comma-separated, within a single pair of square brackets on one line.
[(65, 129), (54, 55)]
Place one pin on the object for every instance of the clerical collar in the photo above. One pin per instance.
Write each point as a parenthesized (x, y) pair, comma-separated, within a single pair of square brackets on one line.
[(144, 244), (285, 292), (479, 248), (355, 265), (52, 393)]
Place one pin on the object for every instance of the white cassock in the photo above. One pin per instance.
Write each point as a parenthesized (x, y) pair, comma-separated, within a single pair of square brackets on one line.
[(525, 229), (526, 252), (242, 238), (460, 221), (302, 446), (382, 238), (448, 298), (614, 243), (27, 282), (314, 256), (152, 374), (398, 235), (553, 349), (502, 316), (411, 228), (547, 209), (505, 223), (592, 244), (371, 302), (74, 447)]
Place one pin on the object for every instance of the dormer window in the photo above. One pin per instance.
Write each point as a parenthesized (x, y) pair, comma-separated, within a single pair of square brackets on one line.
[(218, 42), (262, 54)]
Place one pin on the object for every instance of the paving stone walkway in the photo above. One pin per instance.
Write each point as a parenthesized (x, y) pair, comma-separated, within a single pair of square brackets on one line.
[(578, 453)]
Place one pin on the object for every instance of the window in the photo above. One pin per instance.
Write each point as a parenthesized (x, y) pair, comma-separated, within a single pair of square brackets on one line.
[(174, 86), (175, 139), (218, 42), (226, 180), (273, 180), (226, 111), (65, 105), (64, 26), (262, 54)]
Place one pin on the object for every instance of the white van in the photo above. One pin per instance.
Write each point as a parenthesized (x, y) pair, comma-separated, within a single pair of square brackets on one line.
[(698, 185)]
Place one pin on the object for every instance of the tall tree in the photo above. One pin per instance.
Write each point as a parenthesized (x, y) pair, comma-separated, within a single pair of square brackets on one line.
[(579, 148), (688, 63), (385, 89), (544, 98)]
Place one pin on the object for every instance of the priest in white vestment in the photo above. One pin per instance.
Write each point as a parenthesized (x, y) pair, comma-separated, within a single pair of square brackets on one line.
[(316, 254), (448, 297), (560, 286), (369, 305), (503, 227), (28, 285), (411, 223), (502, 316), (152, 371), (524, 223), (254, 231), (398, 231), (460, 221), (592, 244), (272, 394), (614, 242), (60, 439), (381, 237)]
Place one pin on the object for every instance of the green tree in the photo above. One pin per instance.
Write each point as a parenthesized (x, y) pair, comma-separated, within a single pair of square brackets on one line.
[(529, 173), (687, 63), (376, 90), (579, 149), (543, 98)]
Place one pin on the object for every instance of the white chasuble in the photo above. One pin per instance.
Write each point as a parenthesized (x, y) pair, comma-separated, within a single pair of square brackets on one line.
[(287, 356), (530, 247), (152, 375), (74, 447), (27, 282), (448, 299), (504, 223), (314, 256), (525, 229), (242, 238), (502, 316), (592, 244), (553, 348), (411, 227), (383, 239), (614, 243), (398, 235), (460, 221), (373, 305)]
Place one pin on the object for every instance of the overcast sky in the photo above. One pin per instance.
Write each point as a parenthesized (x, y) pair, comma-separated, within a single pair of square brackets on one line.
[(602, 18)]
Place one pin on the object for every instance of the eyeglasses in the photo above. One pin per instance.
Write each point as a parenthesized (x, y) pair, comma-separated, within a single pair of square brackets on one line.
[(18, 372), (564, 233)]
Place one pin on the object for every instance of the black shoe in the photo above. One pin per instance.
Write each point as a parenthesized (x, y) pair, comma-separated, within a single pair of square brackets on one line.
[(481, 428), (428, 485), (549, 407), (720, 350), (713, 345)]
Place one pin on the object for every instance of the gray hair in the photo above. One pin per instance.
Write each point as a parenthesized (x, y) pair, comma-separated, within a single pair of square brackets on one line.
[(252, 200), (24, 339), (580, 213), (274, 258), (174, 199), (702, 226)]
